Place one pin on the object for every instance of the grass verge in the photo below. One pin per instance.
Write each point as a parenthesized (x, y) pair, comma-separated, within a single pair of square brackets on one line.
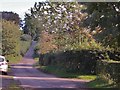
[(61, 73), (14, 85), (8, 83), (13, 59), (100, 83), (94, 81)]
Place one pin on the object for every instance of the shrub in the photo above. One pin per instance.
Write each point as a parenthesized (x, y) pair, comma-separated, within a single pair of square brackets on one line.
[(26, 37), (83, 61), (10, 38), (73, 61), (24, 46), (109, 70), (37, 48), (36, 51), (25, 43)]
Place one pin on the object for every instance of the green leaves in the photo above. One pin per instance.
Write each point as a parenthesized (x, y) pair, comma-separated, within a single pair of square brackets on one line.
[(62, 20), (10, 38), (104, 15)]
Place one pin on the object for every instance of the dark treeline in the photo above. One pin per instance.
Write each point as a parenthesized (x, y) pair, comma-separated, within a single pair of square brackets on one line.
[(11, 16)]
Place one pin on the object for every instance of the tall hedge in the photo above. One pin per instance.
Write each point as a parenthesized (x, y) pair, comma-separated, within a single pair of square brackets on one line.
[(109, 70), (83, 61), (10, 38)]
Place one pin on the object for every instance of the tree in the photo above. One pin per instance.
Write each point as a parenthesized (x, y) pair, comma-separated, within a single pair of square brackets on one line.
[(103, 19), (11, 16), (10, 38), (64, 21)]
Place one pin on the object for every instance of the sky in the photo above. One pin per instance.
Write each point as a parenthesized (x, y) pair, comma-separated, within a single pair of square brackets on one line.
[(17, 6), (22, 6)]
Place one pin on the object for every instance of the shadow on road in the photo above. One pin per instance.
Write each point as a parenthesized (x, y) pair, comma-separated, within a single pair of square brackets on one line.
[(32, 79)]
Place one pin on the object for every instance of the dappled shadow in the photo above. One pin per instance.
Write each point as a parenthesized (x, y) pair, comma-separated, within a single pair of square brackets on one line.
[(32, 78)]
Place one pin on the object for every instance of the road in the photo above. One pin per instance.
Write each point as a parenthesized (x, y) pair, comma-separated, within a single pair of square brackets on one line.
[(31, 78)]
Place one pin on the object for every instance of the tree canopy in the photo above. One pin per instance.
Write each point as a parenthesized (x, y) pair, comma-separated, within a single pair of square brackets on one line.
[(10, 38), (104, 16), (11, 16), (76, 25)]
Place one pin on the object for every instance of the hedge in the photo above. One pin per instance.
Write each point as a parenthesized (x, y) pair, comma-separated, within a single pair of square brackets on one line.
[(83, 61), (109, 70)]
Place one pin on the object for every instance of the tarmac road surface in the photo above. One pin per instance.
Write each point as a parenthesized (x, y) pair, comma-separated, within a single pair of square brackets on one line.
[(32, 79)]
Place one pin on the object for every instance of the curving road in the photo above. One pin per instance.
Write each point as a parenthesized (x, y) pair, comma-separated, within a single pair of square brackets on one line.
[(31, 79)]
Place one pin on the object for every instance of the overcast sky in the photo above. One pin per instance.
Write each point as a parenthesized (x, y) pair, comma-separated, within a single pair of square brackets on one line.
[(17, 6), (22, 6)]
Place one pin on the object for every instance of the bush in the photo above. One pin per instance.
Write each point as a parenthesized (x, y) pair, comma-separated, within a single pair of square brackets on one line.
[(24, 47), (37, 37), (37, 48), (10, 38), (73, 61), (36, 51), (26, 37), (25, 43), (83, 61), (109, 70), (47, 59)]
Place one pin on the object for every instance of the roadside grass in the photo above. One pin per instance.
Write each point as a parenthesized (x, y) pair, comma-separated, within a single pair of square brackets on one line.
[(61, 72), (36, 58), (87, 77), (11, 83), (14, 86), (13, 60), (100, 83), (94, 80)]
